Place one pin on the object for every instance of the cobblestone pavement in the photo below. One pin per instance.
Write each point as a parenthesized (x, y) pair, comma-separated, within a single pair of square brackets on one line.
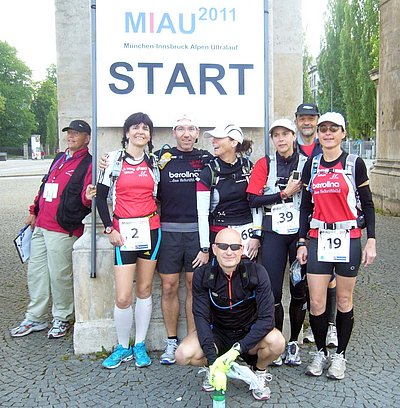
[(37, 372)]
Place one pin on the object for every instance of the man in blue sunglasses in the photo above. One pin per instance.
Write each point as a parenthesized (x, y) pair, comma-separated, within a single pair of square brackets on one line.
[(233, 309)]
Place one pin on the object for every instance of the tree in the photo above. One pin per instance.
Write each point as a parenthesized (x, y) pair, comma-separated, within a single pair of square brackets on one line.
[(16, 119), (350, 51), (45, 108)]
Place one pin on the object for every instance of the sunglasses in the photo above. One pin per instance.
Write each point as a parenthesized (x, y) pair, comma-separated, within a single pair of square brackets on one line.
[(224, 247), (325, 128)]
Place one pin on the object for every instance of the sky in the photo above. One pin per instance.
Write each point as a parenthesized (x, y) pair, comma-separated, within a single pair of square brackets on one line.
[(28, 26)]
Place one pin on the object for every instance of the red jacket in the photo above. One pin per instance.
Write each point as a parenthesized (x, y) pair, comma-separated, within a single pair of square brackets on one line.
[(60, 173)]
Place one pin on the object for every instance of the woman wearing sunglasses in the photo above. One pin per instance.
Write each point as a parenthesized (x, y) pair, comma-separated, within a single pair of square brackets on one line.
[(330, 217), (275, 185), (221, 190)]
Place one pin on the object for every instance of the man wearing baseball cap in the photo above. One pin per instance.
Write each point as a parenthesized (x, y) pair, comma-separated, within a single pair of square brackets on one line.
[(306, 118), (56, 220)]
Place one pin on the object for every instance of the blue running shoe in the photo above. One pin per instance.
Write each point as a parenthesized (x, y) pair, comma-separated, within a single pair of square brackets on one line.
[(118, 356), (141, 356)]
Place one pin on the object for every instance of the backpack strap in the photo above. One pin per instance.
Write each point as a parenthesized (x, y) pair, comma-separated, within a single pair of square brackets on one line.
[(81, 169), (314, 169)]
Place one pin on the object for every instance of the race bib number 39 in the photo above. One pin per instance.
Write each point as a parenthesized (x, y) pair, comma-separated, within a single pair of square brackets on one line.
[(333, 245), (285, 219), (136, 234)]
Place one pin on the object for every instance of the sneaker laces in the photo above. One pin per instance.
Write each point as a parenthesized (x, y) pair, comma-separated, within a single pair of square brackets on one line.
[(337, 361), (319, 356), (140, 350), (171, 346), (264, 378)]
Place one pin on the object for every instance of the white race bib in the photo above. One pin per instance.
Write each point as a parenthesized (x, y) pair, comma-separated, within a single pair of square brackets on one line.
[(285, 219), (245, 232), (136, 234), (50, 191), (333, 245)]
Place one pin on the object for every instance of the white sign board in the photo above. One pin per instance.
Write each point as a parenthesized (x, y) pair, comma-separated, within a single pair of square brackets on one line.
[(168, 57)]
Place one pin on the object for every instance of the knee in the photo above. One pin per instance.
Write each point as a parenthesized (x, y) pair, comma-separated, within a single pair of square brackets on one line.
[(276, 342), (317, 307), (123, 302), (344, 303), (182, 355), (144, 291), (170, 289)]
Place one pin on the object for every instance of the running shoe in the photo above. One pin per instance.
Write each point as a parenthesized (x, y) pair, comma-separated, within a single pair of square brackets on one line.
[(293, 354), (337, 368), (278, 362), (319, 363), (168, 357), (59, 329), (308, 335), (118, 356), (262, 392), (141, 356), (331, 336), (206, 386), (26, 327)]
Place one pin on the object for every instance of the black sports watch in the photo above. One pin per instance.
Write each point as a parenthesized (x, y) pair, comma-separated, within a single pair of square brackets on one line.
[(300, 244), (205, 250)]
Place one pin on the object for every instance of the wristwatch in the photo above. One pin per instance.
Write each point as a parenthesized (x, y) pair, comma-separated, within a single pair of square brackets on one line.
[(205, 250), (300, 244), (109, 230), (283, 195)]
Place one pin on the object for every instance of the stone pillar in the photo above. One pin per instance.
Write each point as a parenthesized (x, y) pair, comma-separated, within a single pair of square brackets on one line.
[(94, 298), (385, 176)]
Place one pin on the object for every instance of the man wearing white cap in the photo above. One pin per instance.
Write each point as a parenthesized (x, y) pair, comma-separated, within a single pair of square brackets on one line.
[(275, 185)]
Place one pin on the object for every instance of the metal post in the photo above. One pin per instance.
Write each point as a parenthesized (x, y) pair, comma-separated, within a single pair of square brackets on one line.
[(266, 77), (94, 136)]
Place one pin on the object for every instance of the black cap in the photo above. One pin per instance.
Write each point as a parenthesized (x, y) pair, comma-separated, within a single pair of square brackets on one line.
[(307, 109), (79, 126)]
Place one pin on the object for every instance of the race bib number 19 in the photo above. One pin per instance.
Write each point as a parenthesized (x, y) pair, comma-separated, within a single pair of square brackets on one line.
[(333, 245), (136, 234)]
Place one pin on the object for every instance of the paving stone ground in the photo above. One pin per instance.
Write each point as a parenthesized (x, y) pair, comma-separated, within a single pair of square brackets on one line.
[(37, 372)]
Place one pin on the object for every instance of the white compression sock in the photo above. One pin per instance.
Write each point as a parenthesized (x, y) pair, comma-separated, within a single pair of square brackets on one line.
[(143, 311), (123, 324)]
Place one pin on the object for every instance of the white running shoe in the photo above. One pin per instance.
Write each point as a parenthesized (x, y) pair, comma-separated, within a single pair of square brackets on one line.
[(293, 354), (331, 336), (308, 336), (320, 362), (337, 368), (262, 393), (168, 357)]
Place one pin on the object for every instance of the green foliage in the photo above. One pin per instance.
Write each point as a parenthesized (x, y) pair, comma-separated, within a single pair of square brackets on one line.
[(350, 51), (16, 90), (45, 109)]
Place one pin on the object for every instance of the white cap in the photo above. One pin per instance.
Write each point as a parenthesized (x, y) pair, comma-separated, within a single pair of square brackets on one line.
[(333, 117), (232, 131), (187, 118), (286, 123)]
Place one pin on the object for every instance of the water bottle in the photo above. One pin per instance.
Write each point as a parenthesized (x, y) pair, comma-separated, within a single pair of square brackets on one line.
[(218, 399)]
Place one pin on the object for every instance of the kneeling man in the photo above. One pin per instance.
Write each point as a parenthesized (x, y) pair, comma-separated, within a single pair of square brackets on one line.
[(233, 309)]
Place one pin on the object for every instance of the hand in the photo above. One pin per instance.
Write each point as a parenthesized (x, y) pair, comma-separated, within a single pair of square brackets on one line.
[(218, 380), (201, 259), (31, 220), (116, 238), (252, 248), (302, 255), (223, 363), (103, 163), (369, 252), (293, 187), (90, 192)]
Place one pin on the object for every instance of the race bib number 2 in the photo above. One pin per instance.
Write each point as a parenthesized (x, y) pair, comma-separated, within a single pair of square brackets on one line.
[(136, 234), (333, 245)]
